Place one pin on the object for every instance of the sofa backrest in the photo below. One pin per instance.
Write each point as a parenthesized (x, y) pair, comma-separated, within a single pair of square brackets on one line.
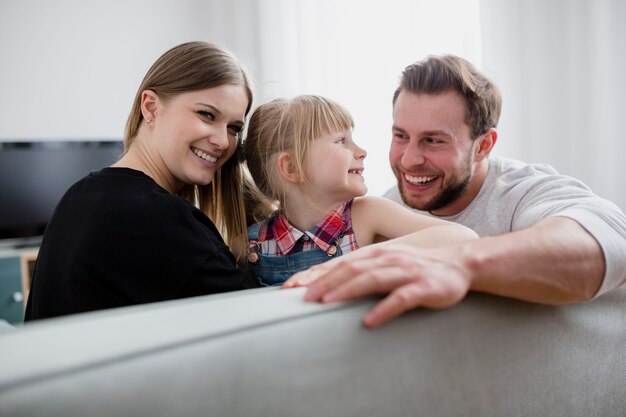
[(265, 352)]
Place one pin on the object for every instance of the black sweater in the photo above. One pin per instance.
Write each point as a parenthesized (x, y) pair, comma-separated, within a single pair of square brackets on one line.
[(116, 239)]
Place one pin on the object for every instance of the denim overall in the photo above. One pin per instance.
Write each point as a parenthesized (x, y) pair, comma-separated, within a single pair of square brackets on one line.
[(274, 270)]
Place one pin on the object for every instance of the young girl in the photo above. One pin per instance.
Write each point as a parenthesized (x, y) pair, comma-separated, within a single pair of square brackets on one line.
[(301, 154)]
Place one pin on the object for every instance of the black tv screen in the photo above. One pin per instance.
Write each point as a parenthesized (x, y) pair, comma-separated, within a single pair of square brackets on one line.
[(35, 175)]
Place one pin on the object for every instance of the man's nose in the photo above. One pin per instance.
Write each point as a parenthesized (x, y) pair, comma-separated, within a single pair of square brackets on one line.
[(412, 155)]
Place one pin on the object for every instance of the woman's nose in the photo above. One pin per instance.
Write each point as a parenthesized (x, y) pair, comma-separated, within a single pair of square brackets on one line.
[(219, 138)]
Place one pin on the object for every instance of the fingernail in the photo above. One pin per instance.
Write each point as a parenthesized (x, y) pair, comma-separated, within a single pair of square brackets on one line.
[(370, 321), (311, 295), (330, 297)]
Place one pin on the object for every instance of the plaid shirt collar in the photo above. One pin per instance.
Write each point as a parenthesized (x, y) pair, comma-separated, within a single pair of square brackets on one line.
[(323, 234)]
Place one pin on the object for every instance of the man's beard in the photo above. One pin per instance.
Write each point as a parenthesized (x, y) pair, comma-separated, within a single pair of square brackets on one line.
[(448, 194)]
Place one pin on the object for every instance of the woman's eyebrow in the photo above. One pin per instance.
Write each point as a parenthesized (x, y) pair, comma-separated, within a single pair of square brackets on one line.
[(218, 112)]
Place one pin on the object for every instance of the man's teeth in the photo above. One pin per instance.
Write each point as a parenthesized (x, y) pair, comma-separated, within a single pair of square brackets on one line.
[(418, 180), (203, 155)]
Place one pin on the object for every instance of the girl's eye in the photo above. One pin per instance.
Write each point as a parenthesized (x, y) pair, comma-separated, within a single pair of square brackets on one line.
[(341, 141), (206, 114)]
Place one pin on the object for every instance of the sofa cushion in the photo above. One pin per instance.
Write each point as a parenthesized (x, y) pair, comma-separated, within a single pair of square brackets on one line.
[(265, 352)]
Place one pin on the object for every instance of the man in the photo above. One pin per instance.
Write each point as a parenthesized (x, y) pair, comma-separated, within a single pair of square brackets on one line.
[(545, 237)]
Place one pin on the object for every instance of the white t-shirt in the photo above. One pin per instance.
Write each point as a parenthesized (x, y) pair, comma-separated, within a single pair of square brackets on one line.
[(516, 195)]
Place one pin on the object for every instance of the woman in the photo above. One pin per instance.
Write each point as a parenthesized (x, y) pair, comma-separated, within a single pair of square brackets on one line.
[(131, 233)]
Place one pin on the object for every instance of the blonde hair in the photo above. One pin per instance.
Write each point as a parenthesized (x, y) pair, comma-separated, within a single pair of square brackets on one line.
[(196, 66), (288, 125)]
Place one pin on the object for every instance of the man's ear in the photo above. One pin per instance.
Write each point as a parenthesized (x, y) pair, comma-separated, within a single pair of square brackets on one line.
[(286, 167), (149, 104), (486, 143)]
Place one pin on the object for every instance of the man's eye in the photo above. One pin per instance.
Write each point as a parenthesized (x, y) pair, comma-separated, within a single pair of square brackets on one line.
[(433, 141), (401, 136), (206, 114)]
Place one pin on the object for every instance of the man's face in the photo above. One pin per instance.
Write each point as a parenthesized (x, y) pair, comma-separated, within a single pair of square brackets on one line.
[(432, 154)]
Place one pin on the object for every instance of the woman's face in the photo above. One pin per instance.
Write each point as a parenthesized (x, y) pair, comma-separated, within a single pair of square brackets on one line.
[(195, 133)]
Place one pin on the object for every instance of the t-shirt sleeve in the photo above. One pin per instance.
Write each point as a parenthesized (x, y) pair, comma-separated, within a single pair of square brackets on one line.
[(558, 195)]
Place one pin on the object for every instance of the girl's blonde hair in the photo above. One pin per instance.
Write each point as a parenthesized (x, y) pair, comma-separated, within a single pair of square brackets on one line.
[(189, 67), (288, 125)]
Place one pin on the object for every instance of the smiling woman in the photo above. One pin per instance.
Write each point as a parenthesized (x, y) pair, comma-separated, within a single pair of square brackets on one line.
[(132, 233)]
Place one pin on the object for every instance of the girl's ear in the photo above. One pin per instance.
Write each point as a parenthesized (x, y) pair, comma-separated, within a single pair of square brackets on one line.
[(149, 104), (286, 168)]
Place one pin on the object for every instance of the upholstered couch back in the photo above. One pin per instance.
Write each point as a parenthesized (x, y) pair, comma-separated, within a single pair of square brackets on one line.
[(266, 352)]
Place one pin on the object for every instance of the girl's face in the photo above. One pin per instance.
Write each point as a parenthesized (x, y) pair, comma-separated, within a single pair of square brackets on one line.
[(196, 132), (334, 169)]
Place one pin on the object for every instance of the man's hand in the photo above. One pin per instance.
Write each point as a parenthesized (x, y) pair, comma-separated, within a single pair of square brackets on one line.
[(429, 277)]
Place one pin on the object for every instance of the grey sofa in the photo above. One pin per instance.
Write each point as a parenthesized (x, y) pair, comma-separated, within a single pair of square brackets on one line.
[(266, 352)]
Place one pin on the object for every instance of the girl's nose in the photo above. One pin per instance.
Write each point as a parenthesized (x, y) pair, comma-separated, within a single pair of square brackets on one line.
[(359, 153)]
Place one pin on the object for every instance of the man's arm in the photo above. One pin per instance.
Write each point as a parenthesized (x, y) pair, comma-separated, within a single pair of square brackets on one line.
[(554, 262)]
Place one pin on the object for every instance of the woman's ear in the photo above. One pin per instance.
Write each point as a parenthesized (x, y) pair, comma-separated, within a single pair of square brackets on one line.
[(286, 168), (149, 104), (486, 143)]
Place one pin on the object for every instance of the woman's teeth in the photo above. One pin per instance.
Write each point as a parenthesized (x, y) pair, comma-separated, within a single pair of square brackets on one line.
[(203, 155)]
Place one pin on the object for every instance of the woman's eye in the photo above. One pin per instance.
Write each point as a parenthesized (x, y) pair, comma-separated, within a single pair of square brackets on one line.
[(234, 130), (206, 114)]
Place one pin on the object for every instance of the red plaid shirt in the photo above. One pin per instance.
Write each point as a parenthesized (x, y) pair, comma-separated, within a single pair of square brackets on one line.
[(279, 238)]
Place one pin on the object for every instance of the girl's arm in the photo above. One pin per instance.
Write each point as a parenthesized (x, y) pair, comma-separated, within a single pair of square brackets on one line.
[(376, 219)]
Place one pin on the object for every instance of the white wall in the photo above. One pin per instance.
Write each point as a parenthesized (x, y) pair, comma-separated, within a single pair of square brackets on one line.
[(353, 51), (561, 65), (70, 68)]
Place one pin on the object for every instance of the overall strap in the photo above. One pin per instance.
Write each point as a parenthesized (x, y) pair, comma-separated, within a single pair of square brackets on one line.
[(253, 243), (253, 231)]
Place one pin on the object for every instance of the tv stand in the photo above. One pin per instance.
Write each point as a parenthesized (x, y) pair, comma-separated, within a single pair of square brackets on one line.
[(16, 271), (32, 242)]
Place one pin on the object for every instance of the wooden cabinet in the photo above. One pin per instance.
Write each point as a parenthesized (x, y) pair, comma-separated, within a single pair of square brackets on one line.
[(16, 268)]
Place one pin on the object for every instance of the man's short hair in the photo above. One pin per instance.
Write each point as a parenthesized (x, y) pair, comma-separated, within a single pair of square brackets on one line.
[(440, 74)]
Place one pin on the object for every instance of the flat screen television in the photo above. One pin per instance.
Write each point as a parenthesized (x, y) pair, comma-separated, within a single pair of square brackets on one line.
[(34, 176)]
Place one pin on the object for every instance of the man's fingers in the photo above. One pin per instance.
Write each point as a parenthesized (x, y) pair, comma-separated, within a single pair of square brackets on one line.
[(398, 302), (375, 280), (422, 293), (366, 271), (333, 278)]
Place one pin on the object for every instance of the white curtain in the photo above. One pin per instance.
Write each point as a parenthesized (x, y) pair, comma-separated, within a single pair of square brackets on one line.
[(354, 51), (561, 65), (70, 67)]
